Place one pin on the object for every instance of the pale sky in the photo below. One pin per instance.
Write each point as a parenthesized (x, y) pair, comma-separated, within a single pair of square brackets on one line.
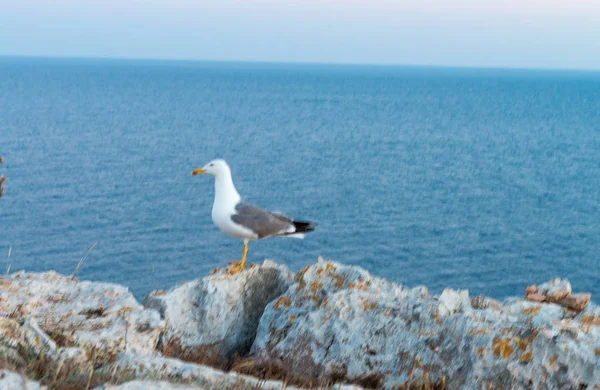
[(488, 33)]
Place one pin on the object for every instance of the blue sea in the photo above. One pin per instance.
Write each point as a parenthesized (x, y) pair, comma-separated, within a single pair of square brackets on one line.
[(480, 179)]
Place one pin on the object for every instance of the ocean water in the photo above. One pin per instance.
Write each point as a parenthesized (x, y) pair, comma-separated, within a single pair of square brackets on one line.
[(480, 179)]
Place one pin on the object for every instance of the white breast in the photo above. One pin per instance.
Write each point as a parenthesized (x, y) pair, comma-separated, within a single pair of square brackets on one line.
[(226, 198)]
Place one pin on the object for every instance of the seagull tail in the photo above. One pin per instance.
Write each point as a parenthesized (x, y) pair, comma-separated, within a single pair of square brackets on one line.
[(302, 227)]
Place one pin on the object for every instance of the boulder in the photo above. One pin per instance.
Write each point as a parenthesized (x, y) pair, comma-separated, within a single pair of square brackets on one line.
[(214, 319), (558, 291), (451, 302), (556, 288), (339, 323), (100, 316)]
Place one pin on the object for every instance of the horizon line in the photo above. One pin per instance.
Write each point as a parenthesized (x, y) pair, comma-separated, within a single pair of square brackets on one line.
[(308, 62)]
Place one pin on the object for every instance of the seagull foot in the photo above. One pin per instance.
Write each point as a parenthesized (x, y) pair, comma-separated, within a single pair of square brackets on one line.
[(234, 267)]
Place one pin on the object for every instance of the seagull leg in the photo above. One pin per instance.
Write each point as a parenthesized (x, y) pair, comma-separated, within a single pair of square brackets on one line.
[(237, 266)]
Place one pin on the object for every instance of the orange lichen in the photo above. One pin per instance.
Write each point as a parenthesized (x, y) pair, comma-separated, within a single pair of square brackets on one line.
[(526, 357), (368, 304), (502, 348), (479, 351), (597, 352), (283, 301), (124, 310), (522, 343), (300, 274), (531, 310), (315, 286), (339, 281), (552, 360), (590, 320), (292, 318), (327, 270), (360, 285)]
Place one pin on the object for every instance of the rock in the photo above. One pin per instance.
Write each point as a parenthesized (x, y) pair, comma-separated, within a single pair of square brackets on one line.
[(102, 316), (451, 301), (150, 385), (13, 381), (556, 288), (530, 290), (339, 323), (20, 344), (558, 291), (36, 337), (575, 301), (536, 297), (176, 371), (12, 343), (213, 319)]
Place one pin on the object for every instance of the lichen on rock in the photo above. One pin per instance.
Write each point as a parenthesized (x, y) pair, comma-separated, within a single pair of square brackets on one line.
[(339, 322), (101, 316)]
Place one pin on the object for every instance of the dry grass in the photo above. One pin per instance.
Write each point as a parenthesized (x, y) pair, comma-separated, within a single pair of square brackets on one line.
[(83, 259), (60, 375), (249, 366), (8, 260)]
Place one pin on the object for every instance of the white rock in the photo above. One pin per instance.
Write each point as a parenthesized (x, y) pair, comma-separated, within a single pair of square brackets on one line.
[(213, 318), (556, 288), (339, 322), (87, 314), (36, 337), (451, 301), (13, 381)]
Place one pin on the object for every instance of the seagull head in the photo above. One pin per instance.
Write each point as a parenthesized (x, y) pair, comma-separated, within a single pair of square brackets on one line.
[(215, 167)]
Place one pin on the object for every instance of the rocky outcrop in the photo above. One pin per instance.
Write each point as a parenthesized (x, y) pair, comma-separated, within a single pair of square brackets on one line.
[(340, 322), (558, 291), (329, 324), (100, 316), (214, 319)]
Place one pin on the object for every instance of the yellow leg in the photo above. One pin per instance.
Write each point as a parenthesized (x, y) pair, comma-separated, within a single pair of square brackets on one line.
[(237, 266), (244, 253)]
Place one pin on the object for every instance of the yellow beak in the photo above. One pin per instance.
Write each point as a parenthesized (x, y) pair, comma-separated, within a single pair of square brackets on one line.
[(198, 171)]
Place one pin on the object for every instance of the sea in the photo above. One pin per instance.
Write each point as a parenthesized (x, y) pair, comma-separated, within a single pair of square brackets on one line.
[(478, 179)]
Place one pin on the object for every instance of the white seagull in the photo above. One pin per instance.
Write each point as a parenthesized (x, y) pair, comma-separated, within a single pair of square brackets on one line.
[(242, 220)]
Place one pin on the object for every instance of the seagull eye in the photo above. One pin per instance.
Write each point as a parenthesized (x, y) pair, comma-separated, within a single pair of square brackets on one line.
[(211, 165)]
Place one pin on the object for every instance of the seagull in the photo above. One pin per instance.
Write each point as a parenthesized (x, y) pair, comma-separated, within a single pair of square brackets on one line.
[(242, 220)]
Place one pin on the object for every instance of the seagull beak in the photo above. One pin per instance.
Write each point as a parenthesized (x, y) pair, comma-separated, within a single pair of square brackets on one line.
[(198, 171)]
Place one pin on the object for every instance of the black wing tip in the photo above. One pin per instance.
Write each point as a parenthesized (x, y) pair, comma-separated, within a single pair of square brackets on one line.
[(304, 226)]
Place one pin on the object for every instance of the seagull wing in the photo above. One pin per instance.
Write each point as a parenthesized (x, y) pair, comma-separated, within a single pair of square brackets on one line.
[(262, 222)]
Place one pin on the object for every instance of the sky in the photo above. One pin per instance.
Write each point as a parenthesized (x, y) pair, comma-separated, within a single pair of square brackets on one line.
[(561, 34)]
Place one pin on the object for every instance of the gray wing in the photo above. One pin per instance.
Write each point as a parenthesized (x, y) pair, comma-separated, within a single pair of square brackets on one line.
[(262, 222)]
